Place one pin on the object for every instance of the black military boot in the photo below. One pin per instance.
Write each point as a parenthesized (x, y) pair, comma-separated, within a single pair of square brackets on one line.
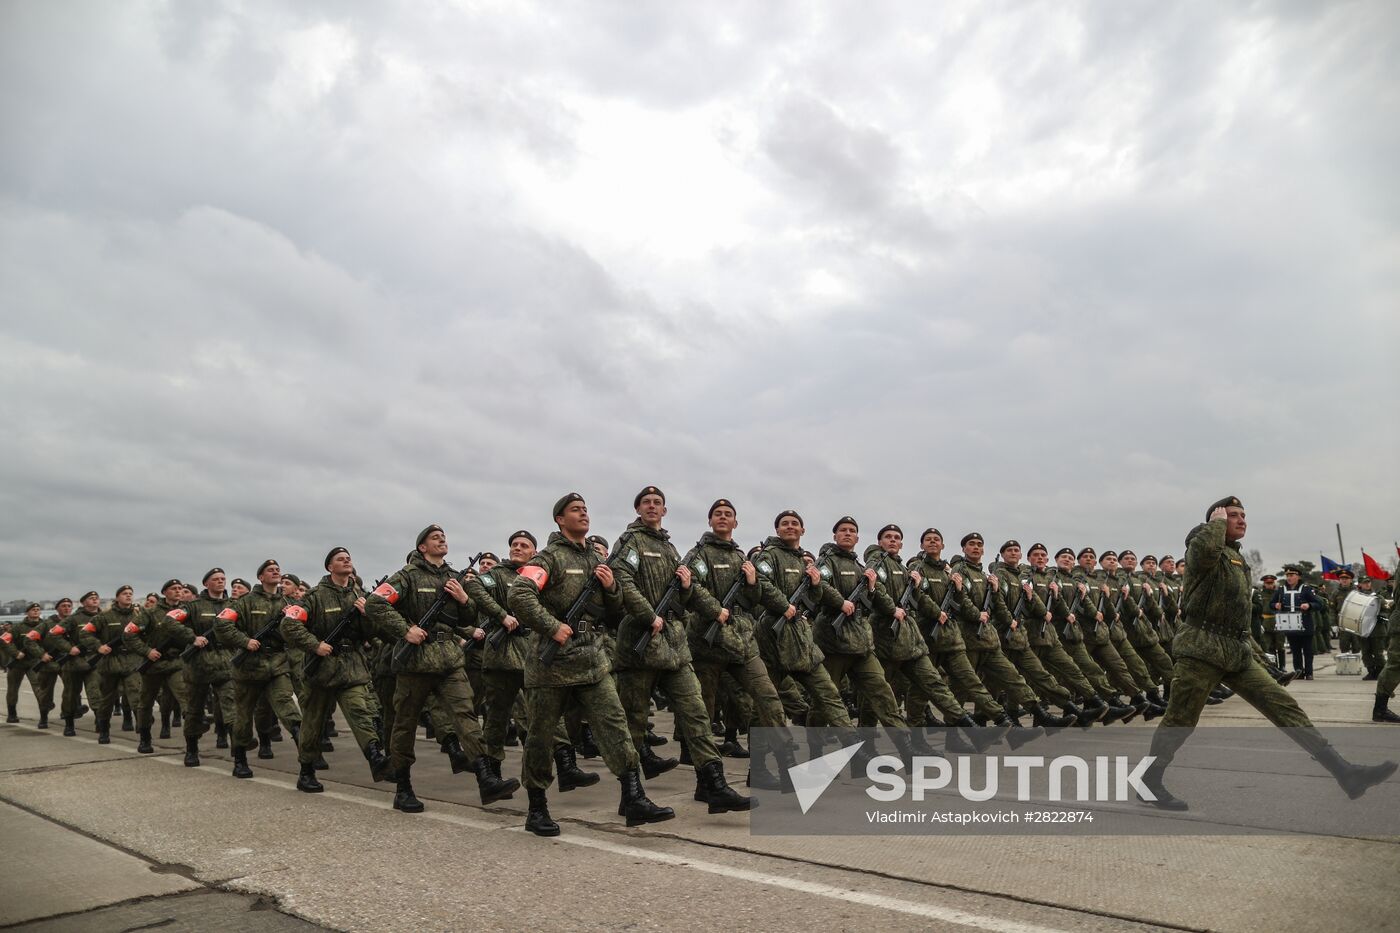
[(1042, 717), (191, 753), (319, 764), (43, 719), (1381, 711), (165, 724), (587, 748), (730, 747), (981, 739), (276, 732), (12, 715), (492, 786), (330, 731), (429, 732), (127, 724), (1285, 679), (653, 765), (1115, 712), (653, 740), (68, 728), (240, 763), (143, 742), (404, 798), (307, 783), (713, 789), (176, 718), (82, 711), (1017, 734), (1354, 779), (326, 744), (460, 762), (221, 736), (1223, 692), (1152, 780), (685, 758), (538, 820), (1156, 698), (1085, 717), (378, 761), (264, 745), (570, 774), (635, 806), (104, 732)]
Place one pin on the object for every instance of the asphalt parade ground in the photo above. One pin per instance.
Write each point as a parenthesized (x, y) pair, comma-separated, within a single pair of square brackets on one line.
[(101, 838)]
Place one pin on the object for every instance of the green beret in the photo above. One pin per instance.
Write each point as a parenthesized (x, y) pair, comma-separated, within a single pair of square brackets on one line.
[(785, 513), (212, 571), (522, 533), (890, 527), (564, 502), (1226, 503), (721, 503), (423, 535), (970, 536), (266, 564), (845, 520), (648, 491), (330, 556)]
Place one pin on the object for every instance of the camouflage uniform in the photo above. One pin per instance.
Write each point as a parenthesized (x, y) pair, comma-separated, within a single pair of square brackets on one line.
[(982, 640), (944, 639), (163, 628), (59, 640), (793, 655), (540, 597), (850, 650), (116, 672), (1141, 615), (208, 671), (24, 655), (1064, 605), (264, 672), (1010, 624)]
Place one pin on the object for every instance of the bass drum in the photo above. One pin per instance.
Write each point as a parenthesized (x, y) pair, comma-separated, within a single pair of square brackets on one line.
[(1359, 614)]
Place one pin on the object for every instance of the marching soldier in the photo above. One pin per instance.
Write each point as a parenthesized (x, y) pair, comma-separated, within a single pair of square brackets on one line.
[(329, 624), (1214, 647), (433, 667), (647, 565), (103, 639), (23, 653), (61, 641), (160, 634), (1066, 602), (577, 670), (248, 626), (1140, 617), (208, 673)]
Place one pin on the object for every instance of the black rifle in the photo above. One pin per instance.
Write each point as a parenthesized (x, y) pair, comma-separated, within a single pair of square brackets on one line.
[(313, 663), (944, 608), (662, 607), (860, 596), (399, 657), (799, 599), (574, 616), (241, 655), (113, 645), (712, 633), (986, 603), (1020, 607), (906, 602)]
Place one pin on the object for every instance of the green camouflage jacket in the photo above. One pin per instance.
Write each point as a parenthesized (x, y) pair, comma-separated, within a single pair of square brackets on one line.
[(164, 627), (841, 574), (540, 597), (62, 636), (892, 578), (1014, 610), (488, 593), (102, 630), (646, 566), (976, 635), (249, 615), (310, 621), (1138, 609), (403, 600), (208, 665), (781, 571), (1060, 607), (1215, 615), (715, 565), (933, 592)]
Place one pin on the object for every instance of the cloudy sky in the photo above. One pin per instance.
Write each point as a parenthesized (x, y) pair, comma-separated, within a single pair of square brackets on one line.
[(279, 277)]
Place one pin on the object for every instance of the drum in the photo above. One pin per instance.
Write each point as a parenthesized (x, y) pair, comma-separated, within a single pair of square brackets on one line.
[(1286, 622), (1359, 614)]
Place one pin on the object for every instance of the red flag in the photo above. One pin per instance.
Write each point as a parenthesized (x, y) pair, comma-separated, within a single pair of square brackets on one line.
[(1373, 569)]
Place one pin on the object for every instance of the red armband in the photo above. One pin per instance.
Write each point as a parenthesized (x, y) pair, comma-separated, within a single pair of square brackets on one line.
[(90, 629), (56, 630), (7, 638), (535, 574), (297, 613), (33, 634), (132, 629), (228, 615), (386, 592), (177, 615)]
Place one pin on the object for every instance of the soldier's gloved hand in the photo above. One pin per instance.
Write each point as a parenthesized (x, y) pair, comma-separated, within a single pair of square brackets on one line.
[(657, 624), (511, 623), (324, 649), (414, 635), (848, 608), (750, 574), (683, 573), (814, 575), (153, 654), (564, 633), (454, 589)]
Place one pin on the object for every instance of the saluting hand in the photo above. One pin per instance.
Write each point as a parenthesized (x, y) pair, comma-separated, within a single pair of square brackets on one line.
[(1218, 515)]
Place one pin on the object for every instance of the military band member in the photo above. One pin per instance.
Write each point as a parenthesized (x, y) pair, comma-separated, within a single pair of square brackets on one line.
[(577, 671)]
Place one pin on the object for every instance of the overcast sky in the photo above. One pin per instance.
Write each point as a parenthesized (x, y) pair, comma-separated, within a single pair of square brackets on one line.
[(278, 277)]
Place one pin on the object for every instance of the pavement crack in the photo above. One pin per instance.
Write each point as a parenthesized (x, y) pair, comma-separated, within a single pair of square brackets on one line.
[(150, 926)]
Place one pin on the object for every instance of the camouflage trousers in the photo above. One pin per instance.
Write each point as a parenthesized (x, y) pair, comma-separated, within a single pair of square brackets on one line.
[(1001, 676), (15, 676), (109, 686), (966, 685), (868, 680), (1094, 674), (1064, 668), (74, 676), (383, 692), (43, 683), (1114, 667), (824, 705), (1159, 664), (1193, 679), (196, 724), (504, 690), (795, 705), (752, 676), (356, 705), (246, 694), (1136, 666), (453, 694), (1044, 683), (921, 684), (604, 711), (155, 686), (682, 688)]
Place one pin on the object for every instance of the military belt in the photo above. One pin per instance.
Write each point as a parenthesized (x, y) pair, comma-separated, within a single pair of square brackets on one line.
[(1226, 629)]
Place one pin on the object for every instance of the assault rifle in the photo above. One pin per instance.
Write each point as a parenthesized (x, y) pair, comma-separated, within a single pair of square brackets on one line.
[(241, 655), (944, 608), (313, 663), (662, 607), (404, 648), (799, 599), (114, 644), (860, 596), (712, 633), (574, 616)]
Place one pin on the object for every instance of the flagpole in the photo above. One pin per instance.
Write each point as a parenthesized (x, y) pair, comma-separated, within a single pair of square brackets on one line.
[(1341, 546)]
